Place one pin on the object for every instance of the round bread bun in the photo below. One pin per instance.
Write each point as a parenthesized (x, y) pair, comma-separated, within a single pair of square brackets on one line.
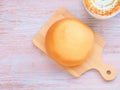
[(69, 42)]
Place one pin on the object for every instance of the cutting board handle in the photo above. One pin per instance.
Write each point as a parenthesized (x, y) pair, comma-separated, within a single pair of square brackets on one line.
[(107, 71)]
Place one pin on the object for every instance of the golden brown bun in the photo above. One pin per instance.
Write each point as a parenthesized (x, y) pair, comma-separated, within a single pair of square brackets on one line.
[(69, 42)]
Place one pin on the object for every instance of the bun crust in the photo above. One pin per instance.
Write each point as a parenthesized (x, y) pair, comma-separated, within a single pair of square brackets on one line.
[(69, 42)]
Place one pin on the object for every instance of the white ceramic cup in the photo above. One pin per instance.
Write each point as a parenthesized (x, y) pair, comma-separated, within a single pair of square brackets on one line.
[(100, 9)]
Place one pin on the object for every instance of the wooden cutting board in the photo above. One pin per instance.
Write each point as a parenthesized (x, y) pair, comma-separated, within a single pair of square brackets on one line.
[(93, 62)]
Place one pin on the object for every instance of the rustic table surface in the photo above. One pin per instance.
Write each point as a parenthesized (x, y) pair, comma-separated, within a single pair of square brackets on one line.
[(24, 67)]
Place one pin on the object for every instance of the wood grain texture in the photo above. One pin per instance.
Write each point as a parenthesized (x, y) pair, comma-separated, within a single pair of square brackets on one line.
[(24, 67)]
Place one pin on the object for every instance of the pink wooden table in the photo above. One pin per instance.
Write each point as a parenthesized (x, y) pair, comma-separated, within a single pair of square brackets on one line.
[(24, 67)]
